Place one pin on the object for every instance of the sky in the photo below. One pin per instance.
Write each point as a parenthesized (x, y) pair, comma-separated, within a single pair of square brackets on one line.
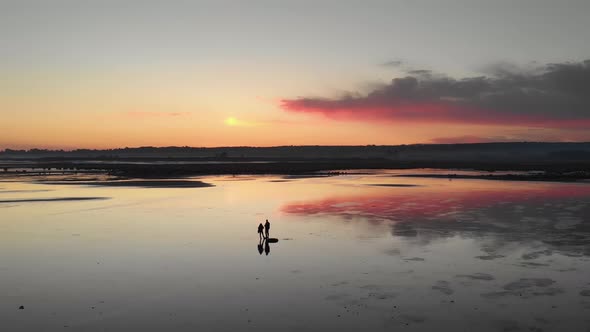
[(107, 74)]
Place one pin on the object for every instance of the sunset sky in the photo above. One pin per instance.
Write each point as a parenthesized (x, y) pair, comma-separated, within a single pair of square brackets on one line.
[(106, 74)]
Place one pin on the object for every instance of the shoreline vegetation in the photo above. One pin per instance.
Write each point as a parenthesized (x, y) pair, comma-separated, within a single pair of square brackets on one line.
[(529, 161)]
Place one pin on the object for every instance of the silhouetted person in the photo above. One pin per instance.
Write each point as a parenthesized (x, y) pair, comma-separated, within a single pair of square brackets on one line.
[(260, 228), (266, 247), (267, 228)]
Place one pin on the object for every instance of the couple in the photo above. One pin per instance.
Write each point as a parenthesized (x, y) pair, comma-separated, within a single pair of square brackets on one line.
[(266, 228)]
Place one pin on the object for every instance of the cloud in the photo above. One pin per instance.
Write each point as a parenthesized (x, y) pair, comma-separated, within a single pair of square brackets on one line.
[(552, 96), (473, 139)]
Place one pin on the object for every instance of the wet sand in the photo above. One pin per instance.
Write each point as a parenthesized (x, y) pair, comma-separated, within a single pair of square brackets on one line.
[(411, 254)]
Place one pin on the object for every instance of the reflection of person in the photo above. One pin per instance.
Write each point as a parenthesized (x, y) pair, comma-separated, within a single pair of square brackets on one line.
[(260, 247), (266, 246), (260, 228), (267, 228)]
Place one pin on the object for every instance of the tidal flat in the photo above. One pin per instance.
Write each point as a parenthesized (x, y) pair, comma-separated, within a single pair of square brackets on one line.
[(371, 251)]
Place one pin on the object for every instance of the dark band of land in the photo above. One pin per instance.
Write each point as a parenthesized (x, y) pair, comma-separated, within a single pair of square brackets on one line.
[(555, 161)]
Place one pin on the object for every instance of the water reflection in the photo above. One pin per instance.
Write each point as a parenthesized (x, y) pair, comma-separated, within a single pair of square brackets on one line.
[(479, 254), (266, 244), (553, 214)]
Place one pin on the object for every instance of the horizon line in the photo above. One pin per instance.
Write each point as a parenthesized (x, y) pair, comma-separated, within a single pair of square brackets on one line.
[(4, 150)]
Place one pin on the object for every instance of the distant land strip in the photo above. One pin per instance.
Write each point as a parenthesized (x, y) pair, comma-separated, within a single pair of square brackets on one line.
[(555, 160), (546, 170), (136, 183), (56, 199)]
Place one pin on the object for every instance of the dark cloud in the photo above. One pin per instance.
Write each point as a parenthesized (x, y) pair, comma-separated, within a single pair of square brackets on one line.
[(552, 96)]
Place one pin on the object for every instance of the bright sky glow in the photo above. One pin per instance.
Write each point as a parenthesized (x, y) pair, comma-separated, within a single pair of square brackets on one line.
[(103, 74)]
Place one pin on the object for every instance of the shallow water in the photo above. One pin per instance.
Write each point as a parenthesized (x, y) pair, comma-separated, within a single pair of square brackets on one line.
[(356, 252)]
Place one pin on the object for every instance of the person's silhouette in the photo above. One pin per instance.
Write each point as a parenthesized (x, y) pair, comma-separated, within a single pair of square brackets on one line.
[(260, 228), (266, 247), (267, 228)]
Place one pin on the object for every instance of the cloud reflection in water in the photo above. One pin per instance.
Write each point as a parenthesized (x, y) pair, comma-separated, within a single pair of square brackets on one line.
[(554, 214)]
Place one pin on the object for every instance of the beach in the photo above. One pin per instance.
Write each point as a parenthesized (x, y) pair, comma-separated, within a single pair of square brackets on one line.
[(372, 250)]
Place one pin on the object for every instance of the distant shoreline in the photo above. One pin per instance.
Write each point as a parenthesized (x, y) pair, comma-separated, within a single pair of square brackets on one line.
[(570, 161), (171, 168)]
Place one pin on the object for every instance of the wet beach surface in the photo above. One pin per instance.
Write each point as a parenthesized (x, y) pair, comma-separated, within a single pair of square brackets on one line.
[(371, 251)]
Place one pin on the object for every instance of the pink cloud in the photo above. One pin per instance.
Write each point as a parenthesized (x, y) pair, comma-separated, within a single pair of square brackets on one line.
[(555, 96), (474, 139), (420, 112)]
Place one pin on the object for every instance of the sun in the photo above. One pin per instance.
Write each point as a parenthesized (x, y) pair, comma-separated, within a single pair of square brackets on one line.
[(235, 122), (231, 121)]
